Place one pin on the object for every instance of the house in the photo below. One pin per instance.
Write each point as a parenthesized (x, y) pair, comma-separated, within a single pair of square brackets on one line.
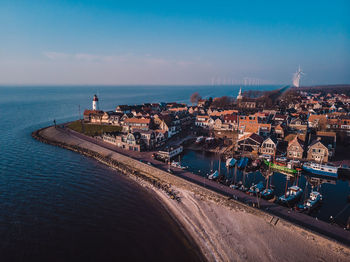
[(298, 124), (202, 120), (232, 121), (295, 148), (134, 142), (148, 137), (93, 116), (161, 137), (317, 121), (170, 126), (139, 123), (345, 123), (247, 103), (125, 109), (317, 151), (111, 118), (250, 143), (279, 131), (170, 152), (279, 119), (329, 139), (269, 146)]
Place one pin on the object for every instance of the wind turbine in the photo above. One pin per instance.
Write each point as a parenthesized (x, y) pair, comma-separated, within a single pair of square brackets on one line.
[(297, 77)]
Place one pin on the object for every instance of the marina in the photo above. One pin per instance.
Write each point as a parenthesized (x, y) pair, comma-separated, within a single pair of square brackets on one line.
[(331, 188)]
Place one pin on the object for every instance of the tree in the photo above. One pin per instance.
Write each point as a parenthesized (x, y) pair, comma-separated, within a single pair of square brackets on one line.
[(222, 102), (195, 97)]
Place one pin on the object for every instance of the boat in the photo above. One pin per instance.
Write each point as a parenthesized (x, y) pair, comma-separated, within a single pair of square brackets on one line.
[(280, 167), (242, 163), (311, 203), (199, 139), (233, 186), (230, 162), (267, 194), (321, 169), (214, 175), (256, 189), (177, 165), (292, 196)]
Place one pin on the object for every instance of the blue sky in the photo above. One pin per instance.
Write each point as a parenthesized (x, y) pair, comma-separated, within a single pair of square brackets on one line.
[(173, 42)]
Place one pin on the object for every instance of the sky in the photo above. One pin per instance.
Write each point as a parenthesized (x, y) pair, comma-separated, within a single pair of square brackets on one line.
[(173, 42)]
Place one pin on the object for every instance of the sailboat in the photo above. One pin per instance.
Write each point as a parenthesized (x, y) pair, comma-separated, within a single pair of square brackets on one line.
[(268, 193)]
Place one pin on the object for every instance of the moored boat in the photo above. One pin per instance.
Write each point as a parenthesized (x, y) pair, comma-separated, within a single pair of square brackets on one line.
[(291, 197), (214, 175), (280, 167), (267, 194), (243, 162), (177, 165), (199, 139), (321, 169), (256, 189), (311, 203), (230, 162)]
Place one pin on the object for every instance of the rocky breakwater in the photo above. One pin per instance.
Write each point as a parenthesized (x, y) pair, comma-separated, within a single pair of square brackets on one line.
[(224, 229)]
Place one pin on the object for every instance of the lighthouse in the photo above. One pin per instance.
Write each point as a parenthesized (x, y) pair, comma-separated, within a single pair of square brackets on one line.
[(95, 103)]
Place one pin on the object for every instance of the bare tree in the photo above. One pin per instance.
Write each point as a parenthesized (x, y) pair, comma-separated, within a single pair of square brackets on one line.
[(195, 97)]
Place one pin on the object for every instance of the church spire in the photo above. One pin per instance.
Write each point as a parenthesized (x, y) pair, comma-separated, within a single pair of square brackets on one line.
[(239, 94)]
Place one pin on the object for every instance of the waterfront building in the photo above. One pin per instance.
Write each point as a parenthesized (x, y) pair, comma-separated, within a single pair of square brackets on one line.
[(170, 152), (318, 152), (295, 148), (250, 143), (269, 146)]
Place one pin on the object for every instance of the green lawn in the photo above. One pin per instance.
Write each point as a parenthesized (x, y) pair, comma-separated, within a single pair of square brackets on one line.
[(93, 129)]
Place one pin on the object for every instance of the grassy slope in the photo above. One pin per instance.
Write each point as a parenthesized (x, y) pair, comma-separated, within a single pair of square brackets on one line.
[(93, 129)]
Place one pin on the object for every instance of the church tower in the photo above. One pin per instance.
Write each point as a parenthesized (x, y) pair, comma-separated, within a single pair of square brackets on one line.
[(95, 103)]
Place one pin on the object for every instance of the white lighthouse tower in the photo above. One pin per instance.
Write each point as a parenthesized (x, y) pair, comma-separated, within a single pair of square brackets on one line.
[(95, 103)]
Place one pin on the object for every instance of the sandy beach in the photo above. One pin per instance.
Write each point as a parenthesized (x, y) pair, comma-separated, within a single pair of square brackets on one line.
[(225, 230)]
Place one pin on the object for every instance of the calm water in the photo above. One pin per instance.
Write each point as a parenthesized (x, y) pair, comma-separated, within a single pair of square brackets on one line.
[(57, 205), (334, 192)]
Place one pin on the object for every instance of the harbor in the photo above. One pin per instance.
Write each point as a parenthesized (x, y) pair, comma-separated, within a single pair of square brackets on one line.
[(210, 201), (275, 210), (335, 207)]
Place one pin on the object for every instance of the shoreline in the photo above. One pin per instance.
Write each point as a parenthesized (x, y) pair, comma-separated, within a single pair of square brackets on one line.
[(208, 217)]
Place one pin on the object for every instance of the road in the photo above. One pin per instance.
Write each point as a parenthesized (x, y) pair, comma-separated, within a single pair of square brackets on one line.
[(311, 223)]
